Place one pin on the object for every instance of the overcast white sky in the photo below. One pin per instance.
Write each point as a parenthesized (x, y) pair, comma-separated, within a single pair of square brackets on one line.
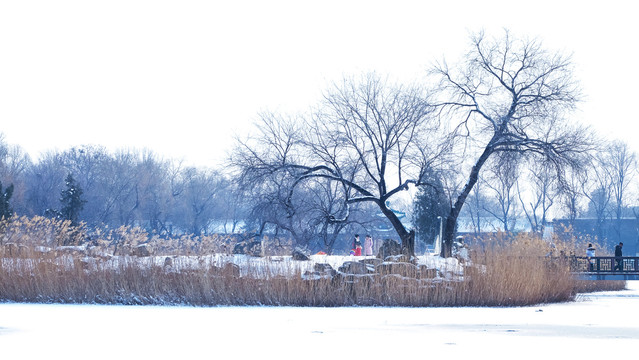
[(181, 77)]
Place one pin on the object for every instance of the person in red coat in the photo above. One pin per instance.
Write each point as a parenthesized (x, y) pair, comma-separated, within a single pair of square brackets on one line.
[(356, 244), (358, 250)]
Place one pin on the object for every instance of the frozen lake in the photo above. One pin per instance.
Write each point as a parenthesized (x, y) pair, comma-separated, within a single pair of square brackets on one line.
[(597, 325)]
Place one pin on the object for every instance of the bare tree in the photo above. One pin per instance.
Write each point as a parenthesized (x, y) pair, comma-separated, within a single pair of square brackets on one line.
[(326, 202), (543, 194), (89, 165), (372, 138), (198, 200), (261, 184), (235, 208), (44, 182), (621, 165), (14, 164), (571, 194), (501, 179), (475, 207), (122, 191), (308, 215), (509, 95), (597, 189), (153, 182)]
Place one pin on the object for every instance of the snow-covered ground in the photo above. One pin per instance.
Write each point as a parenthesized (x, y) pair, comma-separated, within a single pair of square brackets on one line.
[(600, 325)]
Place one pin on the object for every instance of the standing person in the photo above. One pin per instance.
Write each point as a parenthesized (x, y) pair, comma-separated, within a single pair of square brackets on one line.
[(590, 253), (618, 255), (368, 246), (356, 242), (358, 250)]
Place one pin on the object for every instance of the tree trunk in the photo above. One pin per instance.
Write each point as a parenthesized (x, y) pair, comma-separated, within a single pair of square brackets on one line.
[(451, 220), (407, 238)]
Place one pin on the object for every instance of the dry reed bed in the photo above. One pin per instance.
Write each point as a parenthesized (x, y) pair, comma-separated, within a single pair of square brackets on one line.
[(506, 273), (501, 281)]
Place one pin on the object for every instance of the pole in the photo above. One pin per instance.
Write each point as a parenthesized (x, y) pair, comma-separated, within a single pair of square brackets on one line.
[(438, 245)]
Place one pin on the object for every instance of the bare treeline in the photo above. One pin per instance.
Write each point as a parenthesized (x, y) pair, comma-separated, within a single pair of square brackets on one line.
[(125, 188), (530, 195)]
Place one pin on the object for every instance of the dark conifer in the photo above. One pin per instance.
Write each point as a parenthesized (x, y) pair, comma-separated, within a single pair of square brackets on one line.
[(71, 200), (431, 202), (5, 207)]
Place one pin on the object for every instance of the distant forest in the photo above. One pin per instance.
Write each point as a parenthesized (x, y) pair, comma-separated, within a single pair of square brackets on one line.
[(125, 188), (141, 189), (91, 186)]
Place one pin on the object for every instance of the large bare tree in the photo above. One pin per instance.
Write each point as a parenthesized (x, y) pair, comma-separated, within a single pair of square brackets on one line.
[(509, 95), (371, 137)]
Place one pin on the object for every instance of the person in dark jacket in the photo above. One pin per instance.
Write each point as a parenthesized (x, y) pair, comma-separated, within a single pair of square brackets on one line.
[(590, 253), (618, 255)]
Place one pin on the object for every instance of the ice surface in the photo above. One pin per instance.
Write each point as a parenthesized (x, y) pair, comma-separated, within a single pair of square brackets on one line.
[(600, 324)]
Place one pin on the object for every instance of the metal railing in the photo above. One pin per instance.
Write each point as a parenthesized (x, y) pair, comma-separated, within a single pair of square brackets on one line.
[(604, 264)]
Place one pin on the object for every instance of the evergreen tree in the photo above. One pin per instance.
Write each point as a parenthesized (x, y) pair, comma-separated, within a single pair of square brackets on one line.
[(5, 208), (71, 200), (431, 202)]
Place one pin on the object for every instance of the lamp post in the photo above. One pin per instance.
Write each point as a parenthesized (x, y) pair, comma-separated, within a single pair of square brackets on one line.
[(438, 246)]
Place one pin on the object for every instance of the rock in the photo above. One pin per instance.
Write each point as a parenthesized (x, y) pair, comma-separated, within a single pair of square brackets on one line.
[(45, 252), (324, 269), (394, 281), (228, 270), (49, 267), (371, 261), (426, 273), (354, 267), (231, 269), (400, 268), (299, 255), (99, 253), (85, 263), (389, 248), (168, 261), (399, 258), (23, 250), (13, 249), (42, 249), (312, 275), (142, 250), (251, 248), (215, 270), (364, 280), (10, 249), (70, 250)]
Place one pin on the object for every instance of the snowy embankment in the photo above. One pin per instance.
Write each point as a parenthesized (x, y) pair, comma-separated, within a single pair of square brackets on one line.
[(285, 265), (248, 265), (598, 325)]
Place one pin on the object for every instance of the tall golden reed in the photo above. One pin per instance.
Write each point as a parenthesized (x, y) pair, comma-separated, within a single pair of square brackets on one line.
[(35, 267)]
